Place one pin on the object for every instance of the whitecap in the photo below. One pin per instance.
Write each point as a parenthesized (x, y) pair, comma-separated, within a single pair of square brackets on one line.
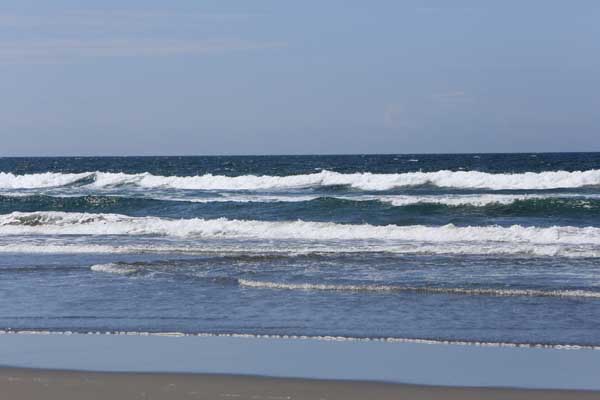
[(362, 181)]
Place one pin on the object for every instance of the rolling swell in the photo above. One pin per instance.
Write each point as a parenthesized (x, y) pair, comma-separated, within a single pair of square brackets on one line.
[(31, 203), (376, 210), (148, 270)]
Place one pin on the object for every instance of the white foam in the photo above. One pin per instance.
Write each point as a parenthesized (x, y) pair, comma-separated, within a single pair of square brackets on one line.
[(440, 290), (251, 336), (301, 236), (51, 222), (291, 249), (364, 181), (477, 200), (112, 268), (38, 248), (44, 180), (244, 198)]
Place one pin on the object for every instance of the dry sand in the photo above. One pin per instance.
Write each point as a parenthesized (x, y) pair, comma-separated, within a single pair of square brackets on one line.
[(17, 384)]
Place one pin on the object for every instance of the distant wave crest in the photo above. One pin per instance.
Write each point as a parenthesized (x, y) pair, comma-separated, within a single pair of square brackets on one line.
[(43, 180), (361, 181)]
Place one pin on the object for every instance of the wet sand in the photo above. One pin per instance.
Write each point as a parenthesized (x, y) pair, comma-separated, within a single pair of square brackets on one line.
[(17, 383), (405, 363)]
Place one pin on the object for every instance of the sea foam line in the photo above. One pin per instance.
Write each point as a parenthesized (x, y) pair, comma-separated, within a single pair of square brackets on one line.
[(416, 289), (291, 250), (363, 180), (126, 269), (307, 337), (451, 200)]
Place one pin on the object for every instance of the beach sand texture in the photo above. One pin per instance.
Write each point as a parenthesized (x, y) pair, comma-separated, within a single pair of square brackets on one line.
[(17, 384)]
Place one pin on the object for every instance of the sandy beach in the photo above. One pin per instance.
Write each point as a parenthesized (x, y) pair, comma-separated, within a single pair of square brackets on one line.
[(54, 366), (16, 384)]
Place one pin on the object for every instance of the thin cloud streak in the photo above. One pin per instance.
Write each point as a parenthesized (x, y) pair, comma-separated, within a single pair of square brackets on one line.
[(107, 19), (61, 49), (69, 35), (452, 98), (450, 95)]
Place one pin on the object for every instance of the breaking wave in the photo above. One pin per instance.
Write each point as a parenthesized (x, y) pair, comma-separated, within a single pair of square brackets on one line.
[(210, 235), (43, 180), (62, 223), (362, 181), (116, 224)]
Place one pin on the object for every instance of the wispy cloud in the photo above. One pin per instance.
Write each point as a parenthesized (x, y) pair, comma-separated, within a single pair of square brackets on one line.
[(63, 37), (61, 49), (452, 97), (110, 19)]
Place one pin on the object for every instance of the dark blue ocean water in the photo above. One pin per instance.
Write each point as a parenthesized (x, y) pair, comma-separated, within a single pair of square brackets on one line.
[(482, 248)]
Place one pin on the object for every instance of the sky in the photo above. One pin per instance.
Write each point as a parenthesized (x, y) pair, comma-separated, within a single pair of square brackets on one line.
[(146, 77)]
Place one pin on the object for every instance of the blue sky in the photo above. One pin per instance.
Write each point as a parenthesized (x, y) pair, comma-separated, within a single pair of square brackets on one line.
[(276, 77)]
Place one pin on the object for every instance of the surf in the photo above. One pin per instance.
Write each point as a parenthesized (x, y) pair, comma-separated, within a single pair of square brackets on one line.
[(64, 223), (359, 180)]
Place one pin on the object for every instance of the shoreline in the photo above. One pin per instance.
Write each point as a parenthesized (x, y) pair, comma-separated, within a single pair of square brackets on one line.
[(377, 362), (324, 338), (20, 383)]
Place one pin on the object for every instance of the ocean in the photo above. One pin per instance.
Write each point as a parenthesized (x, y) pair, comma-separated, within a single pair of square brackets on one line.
[(488, 248)]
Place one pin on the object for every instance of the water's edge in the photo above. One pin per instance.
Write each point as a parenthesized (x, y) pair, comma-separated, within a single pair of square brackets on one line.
[(411, 363)]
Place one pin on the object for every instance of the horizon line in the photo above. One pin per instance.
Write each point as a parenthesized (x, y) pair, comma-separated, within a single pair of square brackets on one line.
[(296, 155)]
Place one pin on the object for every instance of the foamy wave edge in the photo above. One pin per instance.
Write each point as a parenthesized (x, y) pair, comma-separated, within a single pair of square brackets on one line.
[(112, 268), (527, 251), (308, 337), (362, 180), (414, 289), (54, 222)]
